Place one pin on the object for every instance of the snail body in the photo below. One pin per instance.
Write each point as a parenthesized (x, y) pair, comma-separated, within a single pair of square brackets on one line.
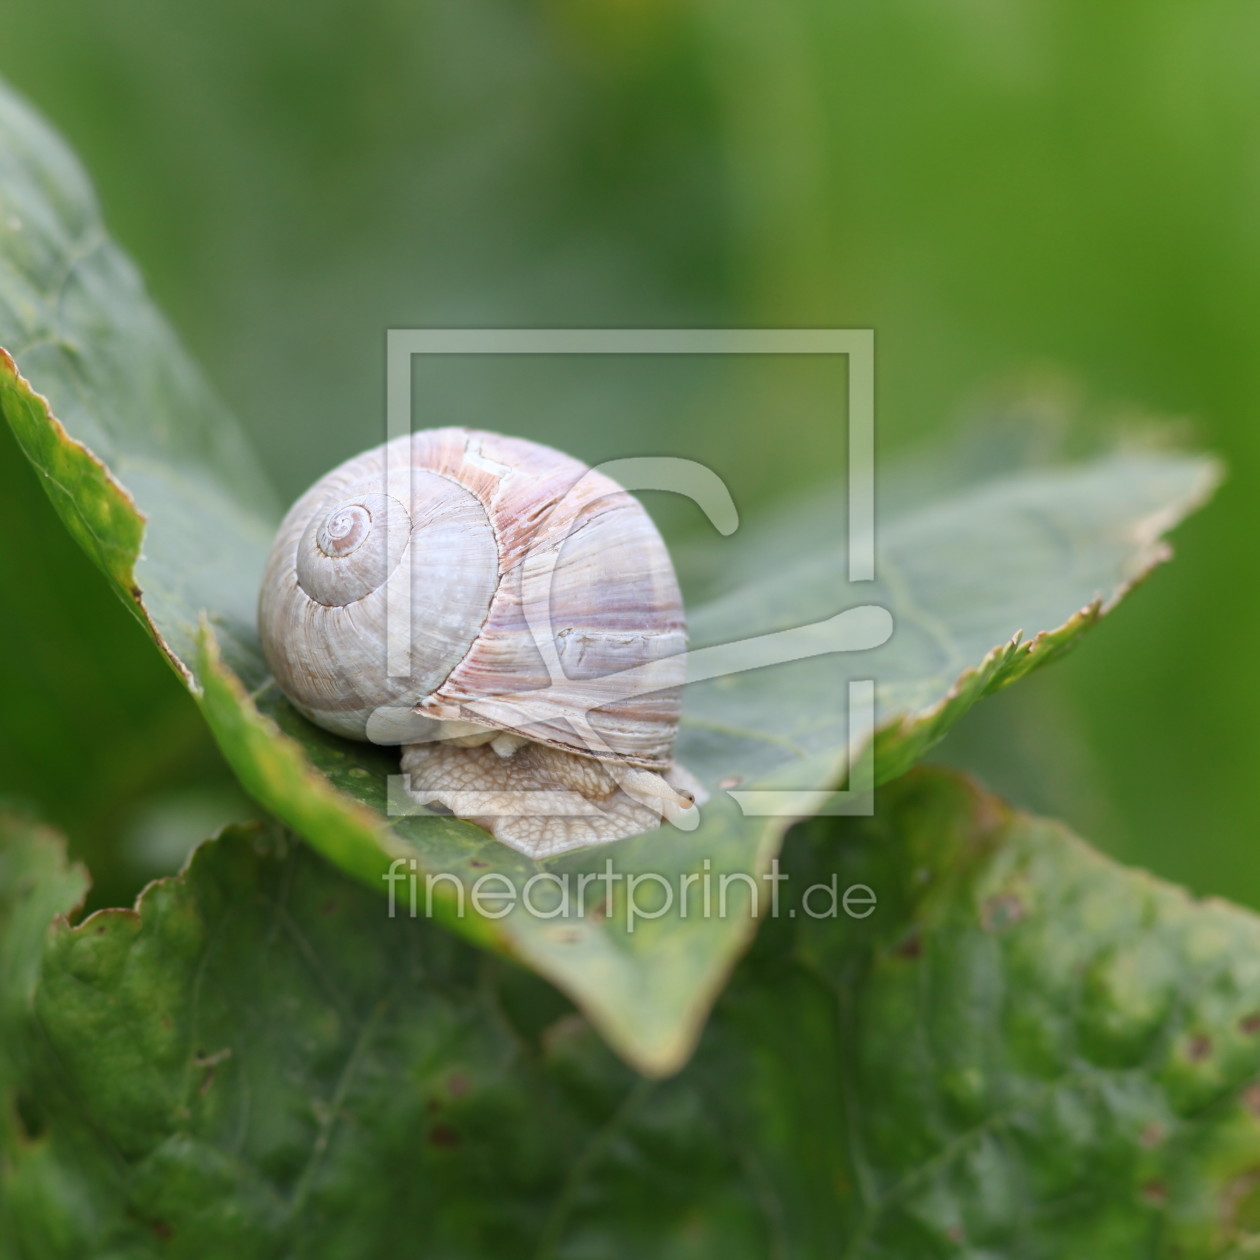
[(507, 615)]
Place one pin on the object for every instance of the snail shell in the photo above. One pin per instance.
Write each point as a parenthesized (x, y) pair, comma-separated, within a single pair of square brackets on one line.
[(518, 586)]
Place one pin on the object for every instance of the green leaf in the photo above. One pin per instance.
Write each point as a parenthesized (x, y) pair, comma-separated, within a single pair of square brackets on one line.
[(36, 887), (149, 473), (1029, 1049), (156, 482), (1022, 1049)]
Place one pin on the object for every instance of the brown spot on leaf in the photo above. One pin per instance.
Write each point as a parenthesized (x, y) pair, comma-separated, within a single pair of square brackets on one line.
[(954, 1233), (161, 1230), (911, 947), (1251, 1098), (329, 906), (458, 1085), (1238, 1200), (1152, 1135), (1199, 1048), (1001, 912), (443, 1135), (1250, 1024), (1155, 1193)]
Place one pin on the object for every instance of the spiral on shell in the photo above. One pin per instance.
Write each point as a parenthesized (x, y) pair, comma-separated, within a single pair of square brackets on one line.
[(528, 585)]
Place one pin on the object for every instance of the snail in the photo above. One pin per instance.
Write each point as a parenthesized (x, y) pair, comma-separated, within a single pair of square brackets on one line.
[(507, 615)]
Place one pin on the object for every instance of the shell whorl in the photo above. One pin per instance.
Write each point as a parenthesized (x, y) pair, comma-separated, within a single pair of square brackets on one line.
[(344, 551), (494, 529), (350, 550)]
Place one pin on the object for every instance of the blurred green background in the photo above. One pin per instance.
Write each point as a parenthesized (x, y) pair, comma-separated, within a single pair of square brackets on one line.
[(1065, 189)]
